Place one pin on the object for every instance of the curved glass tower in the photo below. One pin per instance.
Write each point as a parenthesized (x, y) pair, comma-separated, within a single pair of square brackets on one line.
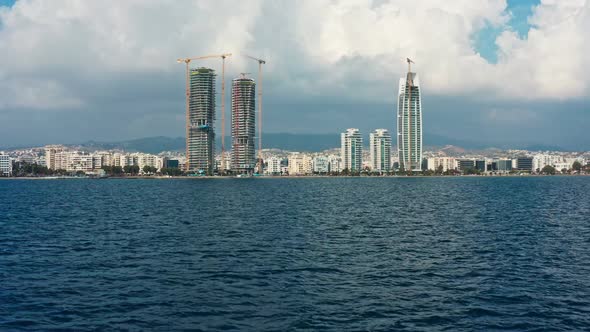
[(409, 123), (201, 116), (243, 125)]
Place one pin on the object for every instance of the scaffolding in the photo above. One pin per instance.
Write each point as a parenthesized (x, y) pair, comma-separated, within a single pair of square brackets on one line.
[(243, 125), (201, 117)]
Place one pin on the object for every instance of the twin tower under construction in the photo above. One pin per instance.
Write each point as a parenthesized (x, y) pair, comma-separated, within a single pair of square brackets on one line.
[(201, 117)]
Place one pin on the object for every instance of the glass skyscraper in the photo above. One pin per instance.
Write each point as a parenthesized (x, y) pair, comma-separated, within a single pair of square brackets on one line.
[(409, 123), (200, 132), (243, 125)]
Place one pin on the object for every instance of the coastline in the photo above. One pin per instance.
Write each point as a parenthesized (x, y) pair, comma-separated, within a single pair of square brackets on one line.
[(285, 177)]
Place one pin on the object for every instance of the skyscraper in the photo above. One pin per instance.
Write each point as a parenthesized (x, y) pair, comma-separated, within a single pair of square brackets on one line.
[(243, 125), (200, 132), (409, 122), (380, 148), (352, 149)]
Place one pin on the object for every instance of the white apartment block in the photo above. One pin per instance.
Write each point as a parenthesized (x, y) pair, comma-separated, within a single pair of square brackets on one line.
[(447, 163), (5, 165), (380, 150), (335, 164), (273, 166), (321, 164), (351, 149), (300, 164)]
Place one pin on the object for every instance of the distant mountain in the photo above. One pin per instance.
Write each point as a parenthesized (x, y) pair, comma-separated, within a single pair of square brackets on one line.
[(284, 141), (147, 145), (298, 142)]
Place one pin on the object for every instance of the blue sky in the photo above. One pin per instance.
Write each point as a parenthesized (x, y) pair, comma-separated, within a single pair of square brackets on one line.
[(485, 40), (104, 71)]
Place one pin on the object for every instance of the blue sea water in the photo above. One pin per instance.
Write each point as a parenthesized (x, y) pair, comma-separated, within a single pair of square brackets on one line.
[(333, 254)]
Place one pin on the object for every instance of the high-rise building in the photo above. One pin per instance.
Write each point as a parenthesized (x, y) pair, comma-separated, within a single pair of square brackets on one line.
[(380, 146), (200, 132), (243, 125), (409, 123), (351, 149)]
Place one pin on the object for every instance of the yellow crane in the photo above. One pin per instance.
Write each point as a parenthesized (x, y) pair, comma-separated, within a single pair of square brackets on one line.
[(187, 61), (260, 63)]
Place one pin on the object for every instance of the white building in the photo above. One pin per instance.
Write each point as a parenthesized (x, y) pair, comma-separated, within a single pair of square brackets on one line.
[(447, 163), (321, 164), (50, 152), (300, 164), (335, 163), (273, 166), (5, 165), (380, 149), (351, 150)]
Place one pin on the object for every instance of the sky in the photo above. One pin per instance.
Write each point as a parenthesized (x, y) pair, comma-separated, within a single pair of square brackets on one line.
[(494, 72)]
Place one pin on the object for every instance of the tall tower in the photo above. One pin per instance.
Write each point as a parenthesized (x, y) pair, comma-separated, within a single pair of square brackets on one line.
[(409, 122), (380, 145), (201, 135), (351, 149), (243, 125)]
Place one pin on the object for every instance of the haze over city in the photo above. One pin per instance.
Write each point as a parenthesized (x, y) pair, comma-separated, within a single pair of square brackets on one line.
[(493, 72)]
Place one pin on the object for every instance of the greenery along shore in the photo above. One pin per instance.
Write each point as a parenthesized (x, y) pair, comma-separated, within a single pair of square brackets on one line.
[(35, 170)]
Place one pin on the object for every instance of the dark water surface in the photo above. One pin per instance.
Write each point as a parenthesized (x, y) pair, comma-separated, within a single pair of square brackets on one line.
[(339, 254)]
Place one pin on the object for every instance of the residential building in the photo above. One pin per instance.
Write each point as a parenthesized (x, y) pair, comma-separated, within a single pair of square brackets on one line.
[(5, 165), (201, 115), (334, 164), (273, 166), (50, 152), (300, 164), (351, 150), (321, 164), (380, 149), (447, 163), (243, 125), (409, 123)]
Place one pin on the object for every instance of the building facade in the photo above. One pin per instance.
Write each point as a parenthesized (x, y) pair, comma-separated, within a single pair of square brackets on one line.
[(273, 166), (447, 163), (351, 150), (5, 165), (243, 125), (409, 123), (50, 152), (321, 165), (201, 115), (524, 164), (380, 149)]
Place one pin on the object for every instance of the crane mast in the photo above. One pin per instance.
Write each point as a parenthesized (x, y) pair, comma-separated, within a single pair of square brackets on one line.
[(260, 63)]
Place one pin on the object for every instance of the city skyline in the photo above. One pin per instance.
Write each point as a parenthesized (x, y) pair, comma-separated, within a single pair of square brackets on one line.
[(135, 90)]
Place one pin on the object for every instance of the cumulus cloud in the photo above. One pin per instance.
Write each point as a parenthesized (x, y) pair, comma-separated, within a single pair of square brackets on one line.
[(54, 52)]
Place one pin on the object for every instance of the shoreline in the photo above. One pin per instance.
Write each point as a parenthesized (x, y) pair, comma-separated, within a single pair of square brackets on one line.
[(284, 177)]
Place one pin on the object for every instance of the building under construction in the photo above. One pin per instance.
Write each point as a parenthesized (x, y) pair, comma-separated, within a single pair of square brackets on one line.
[(243, 125), (201, 114)]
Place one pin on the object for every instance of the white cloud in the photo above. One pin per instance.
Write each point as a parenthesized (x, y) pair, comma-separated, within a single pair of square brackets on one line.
[(354, 49)]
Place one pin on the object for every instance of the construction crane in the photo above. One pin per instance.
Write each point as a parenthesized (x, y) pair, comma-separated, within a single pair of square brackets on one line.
[(187, 61), (260, 63), (410, 82)]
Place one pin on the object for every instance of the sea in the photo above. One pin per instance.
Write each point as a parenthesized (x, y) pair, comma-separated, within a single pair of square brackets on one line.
[(296, 254)]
